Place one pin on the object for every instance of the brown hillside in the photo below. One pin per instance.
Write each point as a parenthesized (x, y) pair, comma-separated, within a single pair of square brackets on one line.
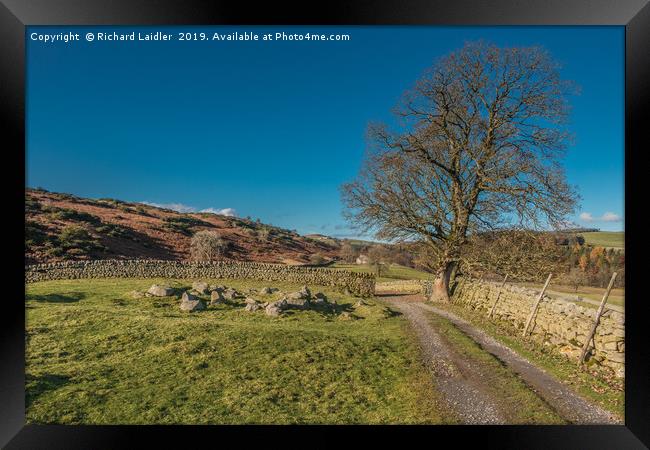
[(64, 227)]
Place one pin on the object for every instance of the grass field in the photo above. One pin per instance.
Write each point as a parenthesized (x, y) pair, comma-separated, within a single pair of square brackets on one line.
[(614, 239), (389, 273), (616, 296), (95, 355)]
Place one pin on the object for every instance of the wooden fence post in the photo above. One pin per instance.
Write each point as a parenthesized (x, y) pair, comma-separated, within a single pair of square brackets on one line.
[(536, 305), (585, 347), (494, 307)]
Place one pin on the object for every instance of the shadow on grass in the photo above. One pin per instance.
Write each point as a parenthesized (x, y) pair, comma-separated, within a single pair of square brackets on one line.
[(37, 386), (71, 297)]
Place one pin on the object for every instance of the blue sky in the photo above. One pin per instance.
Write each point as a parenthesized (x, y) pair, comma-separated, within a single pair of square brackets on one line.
[(272, 129)]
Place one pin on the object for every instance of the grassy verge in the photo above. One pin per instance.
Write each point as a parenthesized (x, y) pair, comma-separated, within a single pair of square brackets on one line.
[(96, 355), (517, 400), (390, 272), (600, 386)]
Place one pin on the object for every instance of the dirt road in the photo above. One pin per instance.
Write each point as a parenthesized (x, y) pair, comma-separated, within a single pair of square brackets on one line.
[(464, 386)]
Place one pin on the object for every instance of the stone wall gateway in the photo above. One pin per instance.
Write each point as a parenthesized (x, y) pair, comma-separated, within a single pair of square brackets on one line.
[(561, 324), (361, 284), (401, 286)]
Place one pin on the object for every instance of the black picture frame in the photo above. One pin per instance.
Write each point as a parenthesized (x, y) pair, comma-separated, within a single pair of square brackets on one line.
[(15, 15)]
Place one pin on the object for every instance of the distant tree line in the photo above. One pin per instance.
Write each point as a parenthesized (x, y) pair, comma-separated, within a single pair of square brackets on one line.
[(523, 255)]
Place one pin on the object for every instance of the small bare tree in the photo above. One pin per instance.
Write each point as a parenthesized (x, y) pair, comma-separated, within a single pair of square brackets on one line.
[(348, 253), (575, 278), (206, 246), (523, 255), (377, 257), (479, 148)]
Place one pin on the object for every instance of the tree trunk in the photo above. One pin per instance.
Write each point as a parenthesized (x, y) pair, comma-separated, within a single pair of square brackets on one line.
[(440, 288)]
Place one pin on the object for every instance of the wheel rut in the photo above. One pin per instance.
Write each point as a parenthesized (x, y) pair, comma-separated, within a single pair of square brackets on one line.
[(462, 383), (458, 381)]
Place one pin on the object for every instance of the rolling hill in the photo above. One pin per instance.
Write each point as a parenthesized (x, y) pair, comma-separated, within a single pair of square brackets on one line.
[(607, 239), (66, 227)]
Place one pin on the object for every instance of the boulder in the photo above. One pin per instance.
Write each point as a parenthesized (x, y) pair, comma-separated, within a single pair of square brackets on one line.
[(306, 292), (297, 303), (252, 307), (231, 294), (272, 310), (303, 293), (215, 297), (347, 316), (319, 299), (266, 291), (160, 291), (201, 287), (275, 308), (190, 303), (250, 300)]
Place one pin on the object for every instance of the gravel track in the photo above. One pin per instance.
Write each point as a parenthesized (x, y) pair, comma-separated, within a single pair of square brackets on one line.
[(460, 381)]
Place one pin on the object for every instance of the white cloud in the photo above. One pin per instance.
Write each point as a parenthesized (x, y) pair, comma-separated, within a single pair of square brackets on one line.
[(222, 212), (587, 217), (610, 217), (181, 208), (607, 217), (178, 207)]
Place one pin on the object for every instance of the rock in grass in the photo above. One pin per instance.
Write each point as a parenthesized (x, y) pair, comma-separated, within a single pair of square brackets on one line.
[(266, 291), (272, 311), (297, 303), (252, 307), (137, 294), (190, 303), (319, 299), (305, 292), (347, 316), (160, 291), (216, 297), (231, 294), (250, 300), (302, 294), (275, 309), (201, 287)]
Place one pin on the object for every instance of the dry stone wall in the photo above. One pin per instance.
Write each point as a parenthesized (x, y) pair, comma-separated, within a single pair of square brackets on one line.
[(361, 284), (563, 325)]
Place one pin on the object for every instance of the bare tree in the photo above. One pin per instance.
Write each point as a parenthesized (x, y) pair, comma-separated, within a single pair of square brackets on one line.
[(348, 253), (523, 255), (481, 136), (377, 257), (206, 246)]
